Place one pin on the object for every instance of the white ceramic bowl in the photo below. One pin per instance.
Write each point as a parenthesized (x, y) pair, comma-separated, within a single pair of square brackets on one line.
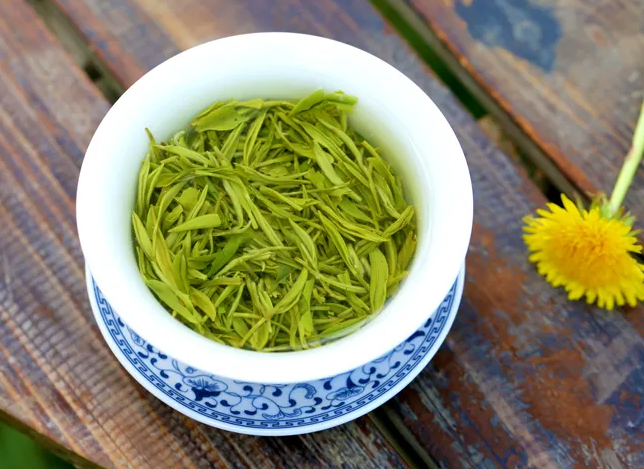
[(392, 112)]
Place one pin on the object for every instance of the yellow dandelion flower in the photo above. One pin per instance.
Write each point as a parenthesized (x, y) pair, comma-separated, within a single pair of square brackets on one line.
[(586, 252)]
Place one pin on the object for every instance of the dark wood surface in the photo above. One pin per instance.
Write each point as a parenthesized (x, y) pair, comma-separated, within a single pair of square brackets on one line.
[(525, 379), (566, 75), (58, 379)]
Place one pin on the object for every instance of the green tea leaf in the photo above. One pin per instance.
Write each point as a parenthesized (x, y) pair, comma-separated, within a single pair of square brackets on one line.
[(283, 271), (379, 275), (199, 223), (261, 335), (151, 184), (142, 236), (202, 302), (272, 225), (352, 229), (324, 162), (169, 297), (387, 201), (306, 245), (342, 328), (168, 195), (341, 98), (336, 238), (352, 210), (162, 258), (240, 327), (206, 111), (402, 221), (308, 102), (322, 138), (249, 145), (293, 295), (226, 117), (406, 251), (180, 272), (256, 103), (305, 323), (186, 153), (346, 140), (199, 205), (230, 145), (224, 295), (265, 226), (391, 255), (225, 255), (256, 255), (234, 306), (243, 196), (142, 185), (288, 200), (239, 214)]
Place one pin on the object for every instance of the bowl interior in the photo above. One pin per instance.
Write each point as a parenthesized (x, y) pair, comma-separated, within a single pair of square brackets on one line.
[(392, 113)]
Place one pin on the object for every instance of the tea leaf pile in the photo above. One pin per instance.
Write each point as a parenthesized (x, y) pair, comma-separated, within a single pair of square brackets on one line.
[(272, 225)]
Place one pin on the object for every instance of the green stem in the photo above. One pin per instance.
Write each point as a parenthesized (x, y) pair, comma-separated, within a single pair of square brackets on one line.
[(629, 168)]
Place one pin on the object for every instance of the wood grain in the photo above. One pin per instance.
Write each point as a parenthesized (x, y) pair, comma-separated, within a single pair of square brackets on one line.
[(57, 377), (526, 379), (567, 75)]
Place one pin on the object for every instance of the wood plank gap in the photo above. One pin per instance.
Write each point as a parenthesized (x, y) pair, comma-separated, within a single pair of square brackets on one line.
[(491, 127), (72, 41), (47, 443), (430, 57), (415, 31), (403, 441)]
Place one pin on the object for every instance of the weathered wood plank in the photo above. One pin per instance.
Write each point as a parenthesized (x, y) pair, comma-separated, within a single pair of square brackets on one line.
[(566, 74), (57, 376), (526, 379)]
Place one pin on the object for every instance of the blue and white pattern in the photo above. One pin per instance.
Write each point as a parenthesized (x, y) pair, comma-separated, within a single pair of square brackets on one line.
[(261, 409)]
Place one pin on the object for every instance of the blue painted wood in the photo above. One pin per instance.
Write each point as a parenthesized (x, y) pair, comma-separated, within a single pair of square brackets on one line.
[(565, 76), (525, 29)]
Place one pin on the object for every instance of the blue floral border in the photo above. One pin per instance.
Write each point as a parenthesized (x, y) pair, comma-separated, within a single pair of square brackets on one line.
[(211, 393)]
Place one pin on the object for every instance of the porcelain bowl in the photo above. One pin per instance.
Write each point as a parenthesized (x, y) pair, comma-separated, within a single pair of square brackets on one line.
[(270, 409), (392, 112)]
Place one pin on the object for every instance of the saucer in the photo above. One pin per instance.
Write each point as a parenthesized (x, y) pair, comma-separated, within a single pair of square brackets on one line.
[(270, 409)]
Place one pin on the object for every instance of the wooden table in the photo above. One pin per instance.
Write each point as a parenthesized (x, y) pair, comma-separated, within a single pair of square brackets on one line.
[(525, 379)]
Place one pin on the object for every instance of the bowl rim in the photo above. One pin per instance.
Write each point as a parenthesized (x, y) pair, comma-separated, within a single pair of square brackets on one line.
[(363, 346)]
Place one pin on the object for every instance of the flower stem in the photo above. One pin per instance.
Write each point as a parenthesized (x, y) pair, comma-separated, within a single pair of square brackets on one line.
[(629, 168)]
